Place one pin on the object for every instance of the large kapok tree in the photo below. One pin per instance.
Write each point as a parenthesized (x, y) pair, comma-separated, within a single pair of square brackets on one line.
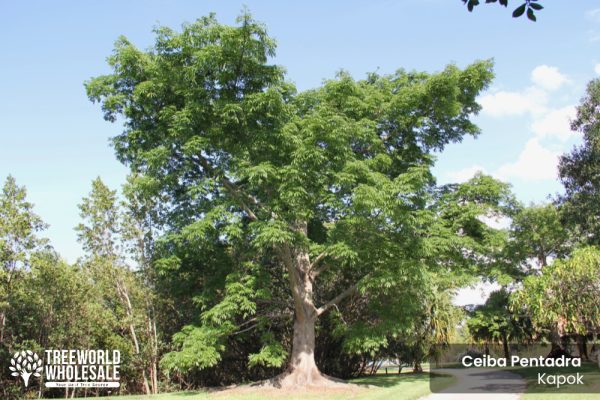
[(329, 188)]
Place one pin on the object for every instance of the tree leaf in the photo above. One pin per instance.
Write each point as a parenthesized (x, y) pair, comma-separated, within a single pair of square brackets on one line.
[(519, 11)]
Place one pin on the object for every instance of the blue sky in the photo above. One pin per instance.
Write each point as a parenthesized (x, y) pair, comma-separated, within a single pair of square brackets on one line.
[(54, 141)]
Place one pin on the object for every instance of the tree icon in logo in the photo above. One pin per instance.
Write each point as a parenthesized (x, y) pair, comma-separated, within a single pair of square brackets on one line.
[(25, 364)]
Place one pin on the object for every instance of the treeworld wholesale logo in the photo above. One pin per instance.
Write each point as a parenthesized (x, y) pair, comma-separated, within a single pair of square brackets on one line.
[(25, 364), (69, 368)]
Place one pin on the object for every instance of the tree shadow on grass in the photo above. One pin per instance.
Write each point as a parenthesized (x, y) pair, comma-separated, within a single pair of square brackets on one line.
[(185, 394), (387, 381)]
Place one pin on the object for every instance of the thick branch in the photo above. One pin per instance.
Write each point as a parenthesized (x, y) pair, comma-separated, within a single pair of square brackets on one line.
[(245, 330), (317, 259), (352, 289), (285, 255), (319, 270), (242, 197), (270, 316)]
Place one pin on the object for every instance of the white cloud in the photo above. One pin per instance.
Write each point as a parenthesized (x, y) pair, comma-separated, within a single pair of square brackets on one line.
[(548, 77), (549, 121), (594, 36), (465, 174), (556, 124), (500, 104), (496, 222), (474, 295), (535, 163), (597, 69), (532, 100), (593, 15)]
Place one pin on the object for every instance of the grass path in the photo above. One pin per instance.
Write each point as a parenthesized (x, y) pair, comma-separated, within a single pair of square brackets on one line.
[(480, 383)]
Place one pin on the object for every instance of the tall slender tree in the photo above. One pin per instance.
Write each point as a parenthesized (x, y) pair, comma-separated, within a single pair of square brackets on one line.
[(139, 225), (101, 235)]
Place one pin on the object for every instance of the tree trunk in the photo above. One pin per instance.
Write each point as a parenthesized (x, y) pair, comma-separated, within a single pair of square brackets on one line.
[(505, 346), (363, 365), (129, 308), (417, 368), (153, 343), (582, 347), (302, 370), (555, 339), (2, 325)]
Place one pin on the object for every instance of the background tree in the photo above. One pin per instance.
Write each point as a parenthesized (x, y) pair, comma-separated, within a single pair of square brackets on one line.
[(564, 298), (579, 172), (493, 322), (46, 303), (51, 304), (139, 224), (538, 233), (18, 240), (19, 243), (102, 236), (59, 307), (329, 190), (432, 331)]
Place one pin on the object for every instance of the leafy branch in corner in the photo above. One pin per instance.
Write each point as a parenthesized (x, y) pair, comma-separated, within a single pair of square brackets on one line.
[(529, 7)]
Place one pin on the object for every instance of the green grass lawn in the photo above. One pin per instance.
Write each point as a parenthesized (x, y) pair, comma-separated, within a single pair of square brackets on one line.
[(536, 392), (406, 386)]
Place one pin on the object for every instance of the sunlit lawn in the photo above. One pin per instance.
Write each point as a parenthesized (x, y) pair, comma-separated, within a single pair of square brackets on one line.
[(406, 386)]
